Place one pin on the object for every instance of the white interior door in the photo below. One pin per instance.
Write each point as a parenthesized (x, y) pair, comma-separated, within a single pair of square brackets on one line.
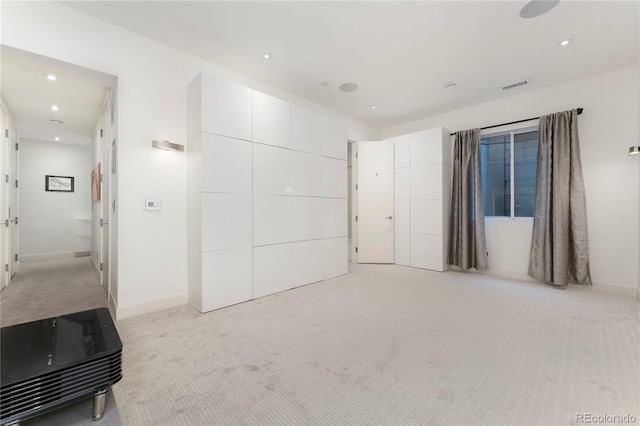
[(113, 192), (4, 200), (375, 202), (13, 201), (105, 212)]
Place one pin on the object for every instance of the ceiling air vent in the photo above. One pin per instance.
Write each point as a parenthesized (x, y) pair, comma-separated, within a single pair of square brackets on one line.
[(514, 85)]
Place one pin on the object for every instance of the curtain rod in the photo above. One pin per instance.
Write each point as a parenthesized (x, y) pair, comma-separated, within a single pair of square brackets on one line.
[(515, 122)]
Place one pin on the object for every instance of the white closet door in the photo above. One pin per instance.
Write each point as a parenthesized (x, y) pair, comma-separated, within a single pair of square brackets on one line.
[(375, 202)]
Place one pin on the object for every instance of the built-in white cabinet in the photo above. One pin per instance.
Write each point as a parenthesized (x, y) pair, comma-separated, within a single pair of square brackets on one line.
[(306, 130), (334, 222), (272, 269), (271, 220), (267, 194), (307, 218), (226, 278), (219, 107), (307, 174), (333, 132), (402, 199), (272, 171), (422, 193), (334, 257), (306, 262), (402, 196), (426, 252), (334, 178), (228, 163), (271, 120), (225, 221)]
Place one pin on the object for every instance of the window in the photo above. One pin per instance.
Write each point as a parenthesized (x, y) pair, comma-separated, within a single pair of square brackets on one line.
[(509, 173)]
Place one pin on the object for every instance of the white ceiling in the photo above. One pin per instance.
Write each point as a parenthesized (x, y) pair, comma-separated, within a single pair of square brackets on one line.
[(400, 53), (78, 92)]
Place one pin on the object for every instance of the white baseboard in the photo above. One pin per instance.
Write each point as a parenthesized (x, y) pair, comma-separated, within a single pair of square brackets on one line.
[(113, 308), (613, 288), (597, 286), (125, 312), (46, 256), (514, 275), (95, 268), (82, 253), (502, 273)]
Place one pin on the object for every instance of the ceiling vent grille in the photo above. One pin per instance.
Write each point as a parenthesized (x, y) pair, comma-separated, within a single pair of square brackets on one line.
[(514, 85)]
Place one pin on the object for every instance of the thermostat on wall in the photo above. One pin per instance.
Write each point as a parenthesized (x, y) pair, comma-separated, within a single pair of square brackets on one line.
[(152, 204)]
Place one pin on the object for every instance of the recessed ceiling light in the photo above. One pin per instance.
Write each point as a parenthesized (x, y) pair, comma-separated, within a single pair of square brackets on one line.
[(536, 8), (349, 87), (267, 56), (51, 77), (56, 139), (373, 106), (54, 107), (565, 42)]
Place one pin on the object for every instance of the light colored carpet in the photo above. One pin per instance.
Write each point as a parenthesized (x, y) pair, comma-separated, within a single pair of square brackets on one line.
[(48, 288), (387, 345)]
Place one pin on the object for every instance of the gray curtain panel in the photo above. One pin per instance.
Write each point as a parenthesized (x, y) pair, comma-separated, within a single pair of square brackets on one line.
[(560, 245), (467, 244)]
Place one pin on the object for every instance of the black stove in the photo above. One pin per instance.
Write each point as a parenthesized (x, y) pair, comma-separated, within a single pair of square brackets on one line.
[(57, 361)]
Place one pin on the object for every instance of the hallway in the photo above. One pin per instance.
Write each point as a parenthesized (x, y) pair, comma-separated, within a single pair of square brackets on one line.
[(46, 288)]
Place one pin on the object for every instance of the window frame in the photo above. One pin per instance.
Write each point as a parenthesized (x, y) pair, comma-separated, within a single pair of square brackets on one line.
[(511, 131)]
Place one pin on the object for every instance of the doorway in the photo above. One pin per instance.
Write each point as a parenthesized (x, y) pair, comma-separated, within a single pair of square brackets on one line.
[(107, 202), (67, 127), (371, 198)]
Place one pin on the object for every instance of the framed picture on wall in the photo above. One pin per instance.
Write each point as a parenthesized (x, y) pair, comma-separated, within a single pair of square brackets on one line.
[(58, 183), (95, 183)]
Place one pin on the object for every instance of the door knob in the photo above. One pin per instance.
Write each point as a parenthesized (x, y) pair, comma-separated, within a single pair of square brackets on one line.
[(389, 217)]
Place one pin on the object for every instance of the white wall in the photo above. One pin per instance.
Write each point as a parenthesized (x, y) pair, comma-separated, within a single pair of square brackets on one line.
[(152, 104), (608, 126), (48, 219)]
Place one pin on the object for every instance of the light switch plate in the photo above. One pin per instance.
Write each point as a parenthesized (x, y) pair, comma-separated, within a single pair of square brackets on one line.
[(152, 204)]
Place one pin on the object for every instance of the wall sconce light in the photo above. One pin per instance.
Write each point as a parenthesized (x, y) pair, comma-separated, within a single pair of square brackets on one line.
[(169, 146), (634, 150)]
